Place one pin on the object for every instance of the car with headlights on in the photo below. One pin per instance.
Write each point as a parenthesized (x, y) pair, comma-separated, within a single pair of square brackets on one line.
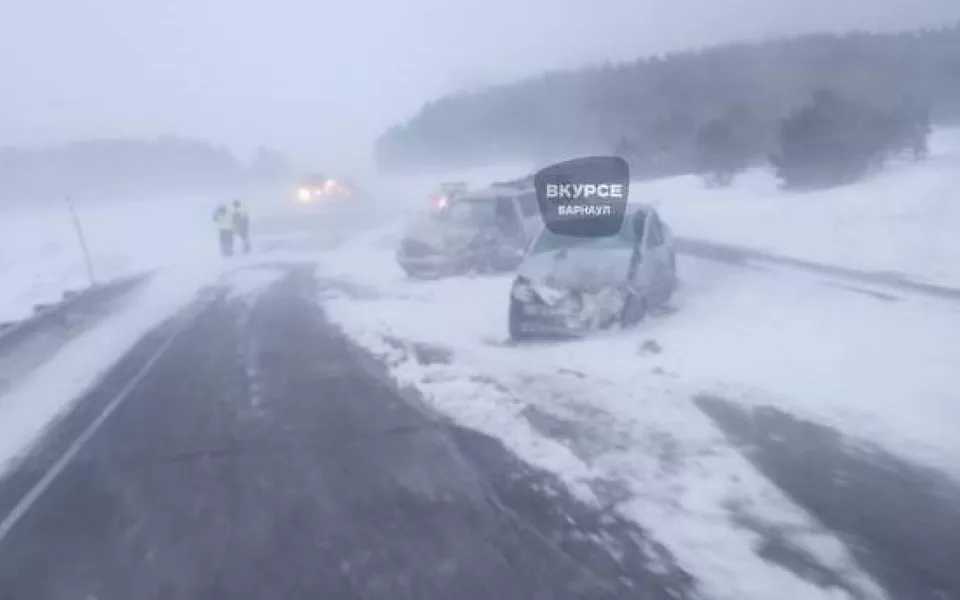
[(318, 188), (569, 285), (448, 193)]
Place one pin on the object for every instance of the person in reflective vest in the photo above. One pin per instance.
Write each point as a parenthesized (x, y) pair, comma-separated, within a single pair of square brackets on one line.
[(241, 224), (224, 221)]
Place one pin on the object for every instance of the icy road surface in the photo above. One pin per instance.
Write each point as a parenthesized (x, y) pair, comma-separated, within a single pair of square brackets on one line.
[(243, 450)]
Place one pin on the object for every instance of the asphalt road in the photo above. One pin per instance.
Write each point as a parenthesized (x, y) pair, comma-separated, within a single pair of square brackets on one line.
[(244, 450), (901, 520)]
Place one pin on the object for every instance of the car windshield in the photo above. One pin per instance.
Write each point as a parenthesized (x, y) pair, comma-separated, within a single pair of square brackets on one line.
[(470, 213), (548, 241)]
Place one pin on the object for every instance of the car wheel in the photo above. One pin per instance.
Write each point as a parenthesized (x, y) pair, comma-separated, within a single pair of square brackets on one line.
[(634, 310), (515, 322)]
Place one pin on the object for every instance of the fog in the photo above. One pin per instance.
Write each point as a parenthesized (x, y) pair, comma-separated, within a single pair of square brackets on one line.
[(321, 80)]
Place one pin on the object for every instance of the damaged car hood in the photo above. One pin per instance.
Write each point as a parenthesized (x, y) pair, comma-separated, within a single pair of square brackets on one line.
[(586, 269)]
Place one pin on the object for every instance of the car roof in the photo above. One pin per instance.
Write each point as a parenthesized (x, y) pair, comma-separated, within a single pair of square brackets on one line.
[(478, 196), (495, 191), (522, 183), (635, 207), (522, 186)]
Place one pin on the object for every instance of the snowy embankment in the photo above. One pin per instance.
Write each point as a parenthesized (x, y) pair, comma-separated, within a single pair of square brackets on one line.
[(904, 221)]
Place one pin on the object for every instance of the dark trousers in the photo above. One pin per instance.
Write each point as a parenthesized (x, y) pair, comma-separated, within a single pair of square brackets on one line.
[(244, 233), (226, 242)]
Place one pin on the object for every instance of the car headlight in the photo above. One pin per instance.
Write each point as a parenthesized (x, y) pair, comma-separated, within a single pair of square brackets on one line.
[(571, 302)]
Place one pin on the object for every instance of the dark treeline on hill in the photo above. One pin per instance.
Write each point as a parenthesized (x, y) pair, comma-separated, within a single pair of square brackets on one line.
[(714, 111), (130, 168), (833, 140)]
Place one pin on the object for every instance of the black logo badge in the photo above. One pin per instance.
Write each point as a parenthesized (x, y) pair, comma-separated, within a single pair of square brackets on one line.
[(584, 197)]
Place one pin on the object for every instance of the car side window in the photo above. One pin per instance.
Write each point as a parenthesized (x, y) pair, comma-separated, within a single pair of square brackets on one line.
[(506, 215), (637, 227), (528, 204)]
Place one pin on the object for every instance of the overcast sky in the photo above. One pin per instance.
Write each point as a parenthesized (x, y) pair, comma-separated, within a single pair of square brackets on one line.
[(320, 79)]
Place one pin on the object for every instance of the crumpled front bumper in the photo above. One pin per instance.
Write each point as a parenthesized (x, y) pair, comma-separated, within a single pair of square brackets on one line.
[(578, 314), (540, 319)]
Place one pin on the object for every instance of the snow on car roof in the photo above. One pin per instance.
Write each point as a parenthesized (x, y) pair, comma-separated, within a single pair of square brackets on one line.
[(633, 207), (522, 183), (499, 189), (525, 186), (491, 193)]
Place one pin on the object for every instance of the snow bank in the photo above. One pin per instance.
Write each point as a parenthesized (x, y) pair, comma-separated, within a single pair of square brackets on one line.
[(903, 221)]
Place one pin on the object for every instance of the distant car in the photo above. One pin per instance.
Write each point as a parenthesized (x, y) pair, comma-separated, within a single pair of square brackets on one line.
[(317, 188), (573, 285), (487, 230), (446, 195)]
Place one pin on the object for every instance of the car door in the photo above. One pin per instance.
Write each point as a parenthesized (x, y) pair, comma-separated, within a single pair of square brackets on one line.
[(529, 210), (656, 251), (637, 273)]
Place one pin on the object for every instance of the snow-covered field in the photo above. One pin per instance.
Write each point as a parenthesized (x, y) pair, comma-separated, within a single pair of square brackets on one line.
[(904, 221), (41, 257)]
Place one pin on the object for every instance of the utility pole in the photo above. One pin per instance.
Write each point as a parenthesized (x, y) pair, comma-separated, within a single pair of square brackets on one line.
[(83, 241)]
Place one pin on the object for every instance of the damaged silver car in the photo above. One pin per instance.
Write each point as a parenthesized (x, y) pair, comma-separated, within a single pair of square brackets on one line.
[(483, 231), (575, 285)]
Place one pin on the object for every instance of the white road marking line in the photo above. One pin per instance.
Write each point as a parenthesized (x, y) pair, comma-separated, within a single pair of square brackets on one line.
[(7, 525)]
